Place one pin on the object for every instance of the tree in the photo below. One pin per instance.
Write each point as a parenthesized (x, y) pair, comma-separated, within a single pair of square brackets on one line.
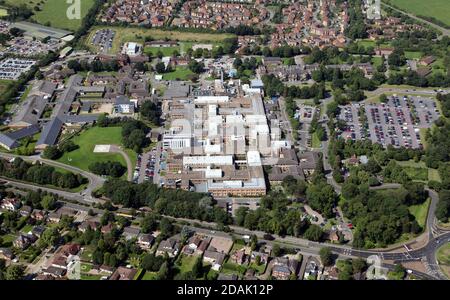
[(15, 272), (51, 152), (276, 250), (253, 242), (313, 233), (196, 67), (50, 237), (48, 202), (197, 269), (163, 272), (326, 256), (383, 98), (160, 67)]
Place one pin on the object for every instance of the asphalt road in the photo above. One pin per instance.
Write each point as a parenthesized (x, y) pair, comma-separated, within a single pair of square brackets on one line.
[(95, 181)]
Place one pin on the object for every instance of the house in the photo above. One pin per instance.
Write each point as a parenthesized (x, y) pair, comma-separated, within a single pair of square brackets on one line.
[(284, 267), (54, 217), (384, 51), (123, 105), (106, 269), (214, 258), (308, 162), (6, 253), (145, 241), (311, 269), (169, 246), (38, 230), (239, 257), (122, 273), (427, 60), (7, 142), (93, 224), (23, 241), (25, 211), (107, 228), (10, 204), (54, 272), (38, 214), (264, 257), (131, 232)]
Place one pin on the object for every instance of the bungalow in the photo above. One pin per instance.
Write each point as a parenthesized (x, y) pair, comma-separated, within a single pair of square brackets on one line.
[(54, 217), (38, 230), (131, 232), (6, 253), (169, 246), (38, 214), (284, 267), (427, 60), (123, 273), (23, 241), (90, 223), (25, 211), (239, 257), (54, 272), (145, 241), (107, 228), (11, 204), (214, 258), (264, 257)]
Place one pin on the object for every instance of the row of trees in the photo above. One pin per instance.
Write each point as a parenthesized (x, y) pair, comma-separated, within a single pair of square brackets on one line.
[(109, 168), (39, 173), (176, 203)]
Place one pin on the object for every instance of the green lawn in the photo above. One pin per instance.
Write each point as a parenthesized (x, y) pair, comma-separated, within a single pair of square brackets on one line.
[(90, 277), (420, 212), (413, 54), (232, 268), (180, 73), (315, 142), (3, 12), (376, 61), (418, 170), (185, 263), (420, 174), (8, 239), (86, 140), (27, 228), (438, 9), (150, 276), (443, 258), (55, 12)]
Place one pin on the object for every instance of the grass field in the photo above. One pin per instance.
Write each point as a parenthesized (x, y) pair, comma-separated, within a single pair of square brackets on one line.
[(420, 212), (4, 85), (439, 9), (443, 258), (180, 73), (150, 276), (419, 171), (84, 156), (3, 12), (413, 54), (315, 142), (186, 263), (130, 34), (54, 12)]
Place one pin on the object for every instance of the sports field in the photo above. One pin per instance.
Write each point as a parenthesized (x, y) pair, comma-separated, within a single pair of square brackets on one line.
[(54, 12), (438, 9), (86, 140), (132, 34)]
